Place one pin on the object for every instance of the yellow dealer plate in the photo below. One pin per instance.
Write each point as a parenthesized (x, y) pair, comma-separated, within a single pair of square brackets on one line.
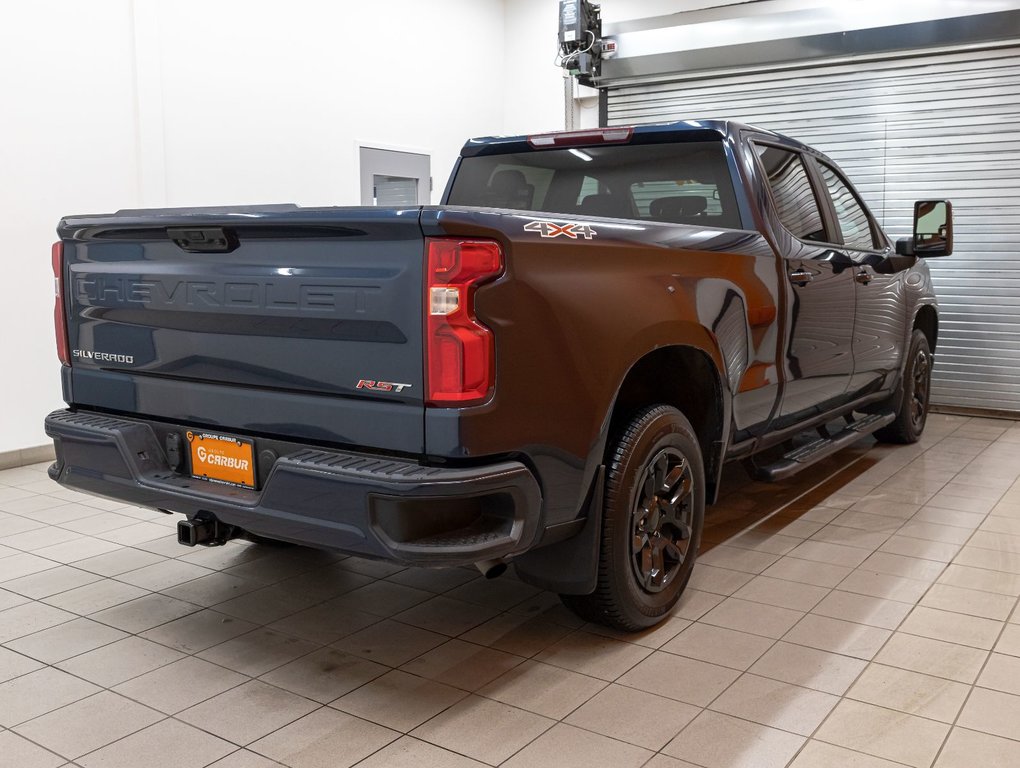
[(222, 458)]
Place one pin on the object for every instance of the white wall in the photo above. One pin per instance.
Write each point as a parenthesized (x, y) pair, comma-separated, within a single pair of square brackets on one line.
[(128, 103), (67, 145)]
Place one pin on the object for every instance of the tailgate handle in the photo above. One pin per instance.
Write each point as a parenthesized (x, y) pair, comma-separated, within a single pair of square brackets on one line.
[(203, 239)]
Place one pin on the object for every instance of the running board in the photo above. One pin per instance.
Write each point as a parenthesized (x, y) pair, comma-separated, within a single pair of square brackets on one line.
[(806, 455)]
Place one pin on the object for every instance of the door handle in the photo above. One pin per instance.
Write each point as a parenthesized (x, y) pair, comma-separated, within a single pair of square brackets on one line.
[(863, 277), (801, 277)]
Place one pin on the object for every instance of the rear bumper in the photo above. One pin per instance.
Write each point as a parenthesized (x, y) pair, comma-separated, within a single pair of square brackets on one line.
[(376, 506)]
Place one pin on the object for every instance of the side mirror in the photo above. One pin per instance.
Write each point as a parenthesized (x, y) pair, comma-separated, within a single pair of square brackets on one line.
[(933, 228)]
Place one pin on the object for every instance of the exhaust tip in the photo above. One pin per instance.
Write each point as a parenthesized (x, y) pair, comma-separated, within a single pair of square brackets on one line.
[(490, 569)]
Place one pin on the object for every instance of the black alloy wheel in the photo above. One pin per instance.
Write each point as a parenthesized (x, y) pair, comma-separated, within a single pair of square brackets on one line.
[(652, 515), (662, 520), (912, 398)]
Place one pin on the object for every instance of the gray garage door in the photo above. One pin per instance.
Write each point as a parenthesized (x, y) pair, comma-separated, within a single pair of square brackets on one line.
[(939, 125)]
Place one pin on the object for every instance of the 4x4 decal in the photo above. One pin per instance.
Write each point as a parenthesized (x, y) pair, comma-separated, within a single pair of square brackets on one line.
[(552, 229)]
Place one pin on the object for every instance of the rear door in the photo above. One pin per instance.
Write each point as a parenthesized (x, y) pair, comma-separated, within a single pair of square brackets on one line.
[(302, 324), (818, 360)]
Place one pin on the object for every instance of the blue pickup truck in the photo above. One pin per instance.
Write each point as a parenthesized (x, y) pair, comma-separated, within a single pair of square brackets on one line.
[(547, 370)]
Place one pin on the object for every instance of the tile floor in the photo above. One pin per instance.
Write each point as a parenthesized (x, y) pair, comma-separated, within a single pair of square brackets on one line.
[(863, 615)]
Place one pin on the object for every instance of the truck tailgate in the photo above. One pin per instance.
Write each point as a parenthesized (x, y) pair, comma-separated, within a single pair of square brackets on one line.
[(254, 320)]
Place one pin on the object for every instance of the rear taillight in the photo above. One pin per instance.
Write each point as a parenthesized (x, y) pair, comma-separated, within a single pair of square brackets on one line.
[(460, 354), (59, 318)]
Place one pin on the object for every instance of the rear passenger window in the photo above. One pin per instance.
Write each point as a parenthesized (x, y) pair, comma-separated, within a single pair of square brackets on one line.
[(792, 193), (853, 221)]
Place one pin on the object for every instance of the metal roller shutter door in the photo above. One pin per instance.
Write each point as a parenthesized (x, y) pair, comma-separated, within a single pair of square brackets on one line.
[(931, 126)]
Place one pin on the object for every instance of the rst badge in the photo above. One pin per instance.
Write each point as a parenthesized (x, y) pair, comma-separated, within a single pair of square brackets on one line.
[(552, 229), (381, 386)]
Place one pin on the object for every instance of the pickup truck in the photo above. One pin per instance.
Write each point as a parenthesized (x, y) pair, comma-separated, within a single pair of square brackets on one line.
[(548, 369)]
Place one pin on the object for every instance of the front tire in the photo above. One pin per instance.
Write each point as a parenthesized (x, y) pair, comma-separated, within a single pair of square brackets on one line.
[(914, 394), (653, 514)]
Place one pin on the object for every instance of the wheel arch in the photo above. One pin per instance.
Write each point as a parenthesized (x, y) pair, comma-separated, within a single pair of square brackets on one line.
[(927, 320)]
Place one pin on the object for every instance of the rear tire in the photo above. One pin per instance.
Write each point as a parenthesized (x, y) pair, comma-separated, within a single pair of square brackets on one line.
[(913, 395), (653, 514)]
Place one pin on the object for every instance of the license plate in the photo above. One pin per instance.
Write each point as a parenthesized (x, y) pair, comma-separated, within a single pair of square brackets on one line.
[(222, 458)]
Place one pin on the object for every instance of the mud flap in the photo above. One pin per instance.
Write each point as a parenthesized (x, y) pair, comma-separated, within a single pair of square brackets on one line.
[(569, 567)]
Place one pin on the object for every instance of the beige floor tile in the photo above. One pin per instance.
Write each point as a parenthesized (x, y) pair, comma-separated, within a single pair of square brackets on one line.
[(855, 537), (255, 653), (929, 550), (180, 685), (543, 689), (520, 634), (775, 704), (175, 743), (884, 586), (483, 729), (65, 640), (408, 752), (903, 566), (47, 536), (952, 627), (212, 589), (144, 613), (883, 733), (979, 557), (911, 692), (324, 623), (809, 667), (675, 677), (948, 534), (399, 701), (325, 674), (437, 580), (818, 754), (1009, 640), (88, 724), (95, 597), (463, 665), (715, 740), (75, 551), (120, 661), (653, 637), (755, 618), (864, 521), (958, 503), (198, 631), (694, 604), (808, 572), (737, 559), (827, 552), (997, 542), (324, 738), (763, 541), (977, 578), (36, 693), (248, 712), (29, 618), (15, 664), (266, 605), (1001, 673), (785, 594), (163, 575), (838, 636), (118, 561), (50, 582), (862, 609), (500, 594), (991, 712), (949, 517), (390, 642), (10, 600), (932, 657), (447, 616), (972, 602), (564, 746), (708, 578), (383, 598), (593, 655), (718, 645), (967, 749), (633, 716), (21, 753)]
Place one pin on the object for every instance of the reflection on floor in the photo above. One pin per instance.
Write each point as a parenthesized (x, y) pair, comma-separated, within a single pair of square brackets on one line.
[(863, 614)]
